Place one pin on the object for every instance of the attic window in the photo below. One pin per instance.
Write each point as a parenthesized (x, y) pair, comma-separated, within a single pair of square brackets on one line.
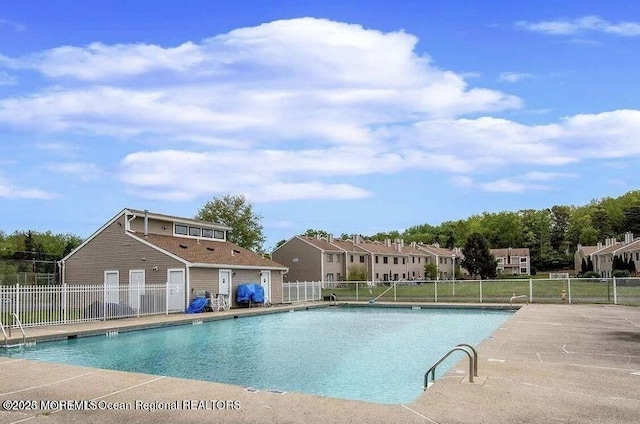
[(184, 246), (210, 248)]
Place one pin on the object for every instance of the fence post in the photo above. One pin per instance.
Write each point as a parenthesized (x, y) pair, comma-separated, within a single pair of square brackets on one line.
[(569, 289), (17, 311), (305, 291), (615, 291), (289, 291), (313, 291), (481, 290), (64, 303), (166, 300), (395, 285), (530, 290), (104, 302), (435, 291), (357, 290)]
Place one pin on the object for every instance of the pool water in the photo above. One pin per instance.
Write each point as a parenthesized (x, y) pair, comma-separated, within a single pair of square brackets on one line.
[(372, 354)]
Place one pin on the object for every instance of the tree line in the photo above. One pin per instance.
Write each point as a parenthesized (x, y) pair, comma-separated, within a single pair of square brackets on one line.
[(551, 234), (32, 251)]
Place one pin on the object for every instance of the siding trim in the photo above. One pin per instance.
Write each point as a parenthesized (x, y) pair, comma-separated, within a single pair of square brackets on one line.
[(256, 267)]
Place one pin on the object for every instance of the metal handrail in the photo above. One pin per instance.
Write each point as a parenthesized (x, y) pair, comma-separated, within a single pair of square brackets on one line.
[(432, 370), (16, 319), (4, 333), (521, 296), (475, 357)]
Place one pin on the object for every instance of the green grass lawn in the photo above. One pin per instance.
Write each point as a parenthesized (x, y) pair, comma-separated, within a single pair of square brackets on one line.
[(544, 291)]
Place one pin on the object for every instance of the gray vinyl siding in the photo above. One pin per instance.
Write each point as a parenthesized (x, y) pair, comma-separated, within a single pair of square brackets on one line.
[(155, 226), (206, 279), (309, 264), (113, 250)]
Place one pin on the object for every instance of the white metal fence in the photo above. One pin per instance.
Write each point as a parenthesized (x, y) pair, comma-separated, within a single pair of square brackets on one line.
[(299, 292), (625, 291), (46, 305)]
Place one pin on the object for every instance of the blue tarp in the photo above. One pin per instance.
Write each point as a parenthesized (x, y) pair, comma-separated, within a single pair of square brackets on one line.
[(252, 292), (197, 305)]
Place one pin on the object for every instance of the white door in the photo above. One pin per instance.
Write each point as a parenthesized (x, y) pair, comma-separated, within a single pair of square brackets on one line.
[(224, 283), (111, 287), (265, 282), (136, 287), (175, 281)]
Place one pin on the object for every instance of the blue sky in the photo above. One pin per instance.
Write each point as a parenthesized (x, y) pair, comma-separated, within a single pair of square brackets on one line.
[(353, 117)]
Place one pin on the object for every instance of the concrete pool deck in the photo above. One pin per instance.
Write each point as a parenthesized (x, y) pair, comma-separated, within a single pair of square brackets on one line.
[(546, 364)]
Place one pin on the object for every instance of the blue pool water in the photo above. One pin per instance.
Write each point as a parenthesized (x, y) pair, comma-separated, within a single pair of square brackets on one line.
[(372, 354)]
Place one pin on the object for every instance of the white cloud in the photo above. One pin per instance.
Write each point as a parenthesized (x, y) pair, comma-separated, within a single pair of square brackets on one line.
[(7, 79), (524, 183), (582, 24), (16, 26), (513, 76), (294, 109), (10, 191), (83, 171)]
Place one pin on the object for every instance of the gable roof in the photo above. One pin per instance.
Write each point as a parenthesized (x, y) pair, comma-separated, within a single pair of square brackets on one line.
[(320, 243), (206, 252), (512, 251), (438, 251)]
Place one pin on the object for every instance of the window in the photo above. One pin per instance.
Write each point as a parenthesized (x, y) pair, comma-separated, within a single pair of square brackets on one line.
[(377, 276), (377, 259), (395, 261), (440, 260), (404, 261), (361, 259), (419, 258), (218, 234), (403, 276), (385, 260), (523, 260), (395, 277), (413, 259), (523, 270), (329, 257), (180, 229), (207, 232), (329, 277), (195, 231), (350, 258)]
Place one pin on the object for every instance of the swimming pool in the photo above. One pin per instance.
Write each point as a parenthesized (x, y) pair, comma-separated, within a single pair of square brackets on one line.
[(373, 354)]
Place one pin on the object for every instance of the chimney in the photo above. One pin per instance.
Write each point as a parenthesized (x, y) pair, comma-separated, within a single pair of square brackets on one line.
[(387, 242), (607, 242), (146, 222), (330, 238), (599, 245), (628, 237), (436, 244), (318, 236), (414, 244), (578, 247)]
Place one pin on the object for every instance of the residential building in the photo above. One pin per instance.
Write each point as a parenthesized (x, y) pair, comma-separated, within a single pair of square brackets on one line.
[(513, 261), (189, 255), (603, 257), (446, 260)]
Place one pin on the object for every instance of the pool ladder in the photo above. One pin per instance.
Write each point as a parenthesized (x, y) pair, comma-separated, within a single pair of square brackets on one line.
[(471, 353), (4, 333)]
